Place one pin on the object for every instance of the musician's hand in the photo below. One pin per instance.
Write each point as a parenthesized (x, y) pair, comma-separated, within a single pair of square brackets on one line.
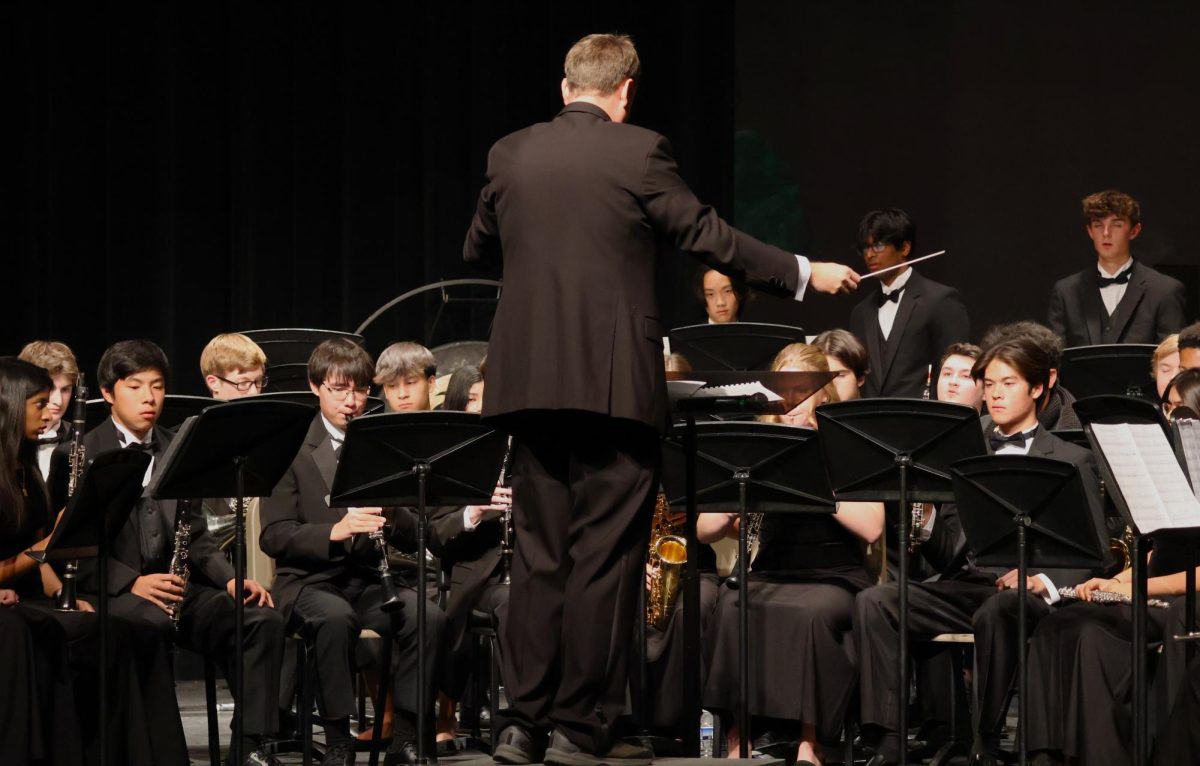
[(1034, 585), (501, 497), (159, 589), (651, 570), (254, 592), (9, 597), (1085, 590), (832, 278), (84, 606), (1113, 586), (357, 521)]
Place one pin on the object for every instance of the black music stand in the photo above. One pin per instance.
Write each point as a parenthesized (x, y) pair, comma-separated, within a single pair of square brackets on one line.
[(107, 491), (1034, 511), (798, 386), (743, 468), (235, 449), (897, 450), (734, 345), (417, 459), (1120, 369)]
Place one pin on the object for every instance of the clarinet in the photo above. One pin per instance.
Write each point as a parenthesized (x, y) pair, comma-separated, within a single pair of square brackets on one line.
[(918, 509), (507, 536), (390, 599), (179, 555), (76, 462)]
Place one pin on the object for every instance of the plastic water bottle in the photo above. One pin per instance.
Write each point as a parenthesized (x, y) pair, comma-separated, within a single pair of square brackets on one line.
[(706, 734)]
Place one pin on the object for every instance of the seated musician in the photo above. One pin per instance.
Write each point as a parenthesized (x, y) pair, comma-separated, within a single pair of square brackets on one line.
[(1080, 697), (967, 598), (198, 612), (955, 381), (723, 298), (327, 580), (1056, 411), (847, 356), (464, 392), (407, 374), (58, 360), (801, 590), (1189, 347), (1164, 365)]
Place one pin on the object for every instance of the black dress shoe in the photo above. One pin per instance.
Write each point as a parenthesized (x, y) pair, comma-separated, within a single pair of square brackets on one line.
[(564, 752), (516, 746), (403, 753), (339, 755), (259, 758)]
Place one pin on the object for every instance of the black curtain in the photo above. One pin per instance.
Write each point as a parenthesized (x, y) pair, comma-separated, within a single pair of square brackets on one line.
[(184, 169)]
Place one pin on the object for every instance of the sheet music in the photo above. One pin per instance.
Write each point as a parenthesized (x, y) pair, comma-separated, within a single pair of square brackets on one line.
[(1189, 440), (1148, 476), (740, 389)]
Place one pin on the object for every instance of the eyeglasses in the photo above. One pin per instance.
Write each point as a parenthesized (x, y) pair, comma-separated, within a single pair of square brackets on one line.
[(874, 247), (243, 386), (344, 392)]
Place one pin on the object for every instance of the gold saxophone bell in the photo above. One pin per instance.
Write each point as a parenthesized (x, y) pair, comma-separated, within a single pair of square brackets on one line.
[(668, 554)]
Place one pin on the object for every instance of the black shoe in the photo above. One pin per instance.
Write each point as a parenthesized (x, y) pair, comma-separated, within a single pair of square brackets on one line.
[(259, 758), (402, 753), (339, 755), (516, 746), (564, 752)]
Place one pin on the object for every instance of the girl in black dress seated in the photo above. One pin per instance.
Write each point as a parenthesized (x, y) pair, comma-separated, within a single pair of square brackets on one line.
[(802, 585)]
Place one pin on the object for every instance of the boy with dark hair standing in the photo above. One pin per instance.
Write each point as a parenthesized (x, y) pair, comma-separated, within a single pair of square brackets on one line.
[(327, 577), (132, 378), (907, 320), (967, 598), (1120, 300)]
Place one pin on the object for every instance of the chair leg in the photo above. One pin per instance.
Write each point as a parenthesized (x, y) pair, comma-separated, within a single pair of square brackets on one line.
[(385, 679), (306, 680), (210, 699), (494, 687)]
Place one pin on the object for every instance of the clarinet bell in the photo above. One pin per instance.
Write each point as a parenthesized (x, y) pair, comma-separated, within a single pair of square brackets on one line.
[(391, 601)]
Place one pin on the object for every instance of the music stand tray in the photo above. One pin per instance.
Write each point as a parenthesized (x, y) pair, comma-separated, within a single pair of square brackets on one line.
[(1119, 369), (418, 459), (235, 449), (734, 345), (897, 450)]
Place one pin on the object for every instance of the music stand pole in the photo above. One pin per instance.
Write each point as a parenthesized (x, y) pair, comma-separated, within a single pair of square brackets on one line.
[(1022, 521), (691, 604), (1140, 727), (904, 462), (743, 712), (422, 472), (239, 636), (102, 616)]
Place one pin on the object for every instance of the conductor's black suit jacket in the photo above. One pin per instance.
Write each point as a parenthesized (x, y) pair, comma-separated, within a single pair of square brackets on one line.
[(580, 207), (1153, 307), (929, 318)]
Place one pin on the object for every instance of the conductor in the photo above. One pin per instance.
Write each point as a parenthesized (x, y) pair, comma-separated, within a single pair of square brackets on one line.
[(577, 209)]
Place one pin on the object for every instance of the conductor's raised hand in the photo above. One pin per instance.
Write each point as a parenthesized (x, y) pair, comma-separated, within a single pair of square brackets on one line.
[(357, 521), (833, 278)]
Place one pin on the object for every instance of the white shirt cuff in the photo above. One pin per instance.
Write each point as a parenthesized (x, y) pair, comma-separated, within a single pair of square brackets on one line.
[(1051, 594), (467, 525), (805, 275)]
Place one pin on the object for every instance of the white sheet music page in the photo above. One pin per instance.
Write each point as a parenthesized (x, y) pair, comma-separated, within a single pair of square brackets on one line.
[(740, 389), (1189, 438), (1148, 475)]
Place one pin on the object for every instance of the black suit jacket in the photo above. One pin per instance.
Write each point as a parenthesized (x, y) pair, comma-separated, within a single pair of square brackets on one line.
[(580, 207), (149, 519), (297, 519), (1153, 307), (472, 558), (929, 318), (955, 561)]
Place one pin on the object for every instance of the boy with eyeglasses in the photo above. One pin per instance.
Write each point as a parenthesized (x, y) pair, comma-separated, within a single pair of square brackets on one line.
[(326, 577), (907, 319), (233, 366)]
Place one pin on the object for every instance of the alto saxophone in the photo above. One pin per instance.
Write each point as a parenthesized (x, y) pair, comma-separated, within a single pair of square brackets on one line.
[(76, 462), (917, 510), (668, 554), (179, 556)]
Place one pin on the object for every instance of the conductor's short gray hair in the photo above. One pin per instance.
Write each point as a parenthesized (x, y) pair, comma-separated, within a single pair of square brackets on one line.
[(600, 63)]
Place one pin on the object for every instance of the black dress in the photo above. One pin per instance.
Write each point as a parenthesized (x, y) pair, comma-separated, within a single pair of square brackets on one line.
[(1080, 671), (802, 588)]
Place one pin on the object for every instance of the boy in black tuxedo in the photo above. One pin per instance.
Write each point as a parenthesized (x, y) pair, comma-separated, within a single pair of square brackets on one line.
[(326, 566), (132, 377), (1120, 300), (907, 320)]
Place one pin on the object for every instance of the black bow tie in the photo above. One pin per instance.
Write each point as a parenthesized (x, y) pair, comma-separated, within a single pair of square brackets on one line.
[(1119, 279), (884, 298), (999, 440), (58, 438), (140, 446)]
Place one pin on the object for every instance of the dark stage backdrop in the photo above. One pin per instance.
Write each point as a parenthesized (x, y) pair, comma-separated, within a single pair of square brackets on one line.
[(184, 169), (988, 122)]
